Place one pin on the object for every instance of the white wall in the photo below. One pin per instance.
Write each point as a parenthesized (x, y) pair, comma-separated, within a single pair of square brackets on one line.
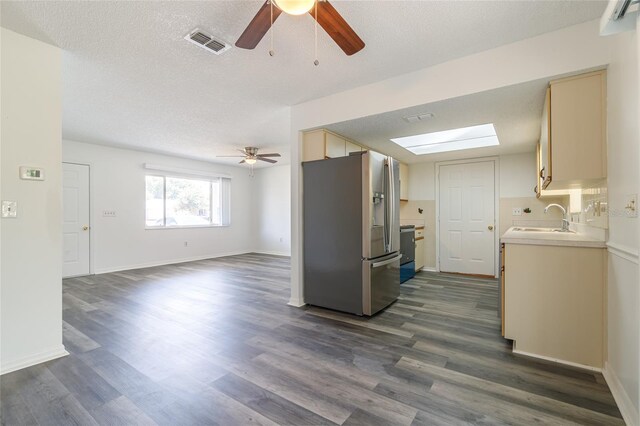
[(122, 242), (272, 210), (517, 175), (623, 295), (31, 255)]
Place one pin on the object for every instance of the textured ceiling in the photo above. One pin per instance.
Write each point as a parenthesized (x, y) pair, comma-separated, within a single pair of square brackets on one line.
[(515, 111), (129, 78)]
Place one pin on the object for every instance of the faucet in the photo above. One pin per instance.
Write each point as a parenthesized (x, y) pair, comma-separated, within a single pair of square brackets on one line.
[(565, 222)]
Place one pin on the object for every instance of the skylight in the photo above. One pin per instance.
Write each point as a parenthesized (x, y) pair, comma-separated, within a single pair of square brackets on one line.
[(450, 140)]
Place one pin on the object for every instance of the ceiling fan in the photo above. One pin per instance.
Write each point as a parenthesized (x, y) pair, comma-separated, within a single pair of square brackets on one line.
[(326, 15), (251, 155)]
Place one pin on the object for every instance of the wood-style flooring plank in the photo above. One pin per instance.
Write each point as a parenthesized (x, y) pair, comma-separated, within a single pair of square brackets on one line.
[(214, 342)]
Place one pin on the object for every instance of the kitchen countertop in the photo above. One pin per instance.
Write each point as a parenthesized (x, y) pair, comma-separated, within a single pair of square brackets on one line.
[(567, 239)]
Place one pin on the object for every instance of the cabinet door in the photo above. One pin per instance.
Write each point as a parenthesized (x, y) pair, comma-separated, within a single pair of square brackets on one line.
[(404, 181), (419, 255), (419, 249), (578, 128), (502, 278), (335, 146), (313, 146), (545, 143), (352, 147)]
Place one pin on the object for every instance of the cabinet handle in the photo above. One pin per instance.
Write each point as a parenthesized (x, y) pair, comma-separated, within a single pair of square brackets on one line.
[(535, 189), (542, 173)]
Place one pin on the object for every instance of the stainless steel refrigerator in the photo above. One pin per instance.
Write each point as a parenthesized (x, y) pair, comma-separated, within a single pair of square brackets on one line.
[(352, 232)]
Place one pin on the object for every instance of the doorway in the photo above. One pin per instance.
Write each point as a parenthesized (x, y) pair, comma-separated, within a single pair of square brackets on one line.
[(76, 226), (466, 213)]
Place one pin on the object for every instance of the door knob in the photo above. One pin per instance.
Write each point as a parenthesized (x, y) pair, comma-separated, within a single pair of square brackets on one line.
[(490, 227), (85, 228)]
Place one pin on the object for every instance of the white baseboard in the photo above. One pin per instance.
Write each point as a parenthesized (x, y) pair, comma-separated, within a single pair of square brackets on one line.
[(273, 253), (297, 303), (428, 269), (625, 405), (168, 262), (558, 361), (40, 357)]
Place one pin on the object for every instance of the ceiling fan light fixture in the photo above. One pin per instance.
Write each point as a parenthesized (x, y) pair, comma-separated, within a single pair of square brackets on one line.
[(294, 7), (250, 160)]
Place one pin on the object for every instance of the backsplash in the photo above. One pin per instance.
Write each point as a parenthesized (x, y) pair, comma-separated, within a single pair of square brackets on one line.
[(593, 207)]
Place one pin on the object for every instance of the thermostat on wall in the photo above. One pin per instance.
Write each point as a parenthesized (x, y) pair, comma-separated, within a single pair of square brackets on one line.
[(31, 173)]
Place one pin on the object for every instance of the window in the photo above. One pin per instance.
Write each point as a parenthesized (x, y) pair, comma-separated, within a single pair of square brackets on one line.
[(182, 202)]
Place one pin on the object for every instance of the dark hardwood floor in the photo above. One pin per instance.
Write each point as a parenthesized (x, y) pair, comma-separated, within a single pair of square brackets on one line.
[(213, 342)]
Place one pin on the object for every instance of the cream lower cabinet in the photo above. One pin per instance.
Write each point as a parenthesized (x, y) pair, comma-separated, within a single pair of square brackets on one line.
[(419, 255), (553, 302)]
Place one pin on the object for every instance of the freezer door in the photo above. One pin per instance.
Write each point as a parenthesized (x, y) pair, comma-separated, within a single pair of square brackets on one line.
[(381, 283)]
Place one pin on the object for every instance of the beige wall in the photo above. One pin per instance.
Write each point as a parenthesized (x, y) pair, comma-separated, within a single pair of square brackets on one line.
[(31, 290)]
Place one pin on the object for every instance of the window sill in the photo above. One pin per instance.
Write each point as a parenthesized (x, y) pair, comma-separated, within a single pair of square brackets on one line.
[(154, 228)]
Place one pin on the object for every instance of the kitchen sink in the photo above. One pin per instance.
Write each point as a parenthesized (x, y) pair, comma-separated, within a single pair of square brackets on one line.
[(522, 229)]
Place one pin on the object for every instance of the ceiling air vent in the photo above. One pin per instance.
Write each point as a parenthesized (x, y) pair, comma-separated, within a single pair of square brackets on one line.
[(207, 41)]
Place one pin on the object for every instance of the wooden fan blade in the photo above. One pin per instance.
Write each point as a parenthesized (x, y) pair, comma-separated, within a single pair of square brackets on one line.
[(337, 28), (243, 161), (266, 159), (269, 155), (258, 27)]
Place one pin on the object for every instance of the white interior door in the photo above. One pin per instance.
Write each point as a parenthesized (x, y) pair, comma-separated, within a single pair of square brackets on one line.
[(467, 218), (76, 228)]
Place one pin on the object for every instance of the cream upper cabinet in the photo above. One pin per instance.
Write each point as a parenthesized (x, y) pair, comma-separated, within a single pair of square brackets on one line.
[(352, 147), (544, 164), (335, 145), (573, 149), (538, 188), (404, 182), (322, 144)]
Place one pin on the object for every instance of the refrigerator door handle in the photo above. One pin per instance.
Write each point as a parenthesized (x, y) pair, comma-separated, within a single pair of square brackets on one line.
[(391, 204), (386, 262)]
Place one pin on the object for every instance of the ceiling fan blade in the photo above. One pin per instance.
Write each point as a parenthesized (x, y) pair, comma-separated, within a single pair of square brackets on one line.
[(337, 28), (269, 155), (243, 161), (266, 159), (258, 27)]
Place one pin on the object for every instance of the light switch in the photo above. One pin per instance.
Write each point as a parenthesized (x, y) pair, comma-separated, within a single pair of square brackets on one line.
[(9, 209), (108, 213)]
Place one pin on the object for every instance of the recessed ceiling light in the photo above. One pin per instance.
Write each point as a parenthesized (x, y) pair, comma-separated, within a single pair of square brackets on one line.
[(450, 140)]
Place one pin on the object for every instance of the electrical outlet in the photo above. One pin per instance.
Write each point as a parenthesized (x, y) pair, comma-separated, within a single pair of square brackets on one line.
[(631, 205), (10, 209), (517, 211), (108, 213)]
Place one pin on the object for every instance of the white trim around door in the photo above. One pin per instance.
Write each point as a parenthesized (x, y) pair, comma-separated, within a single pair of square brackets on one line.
[(496, 234)]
